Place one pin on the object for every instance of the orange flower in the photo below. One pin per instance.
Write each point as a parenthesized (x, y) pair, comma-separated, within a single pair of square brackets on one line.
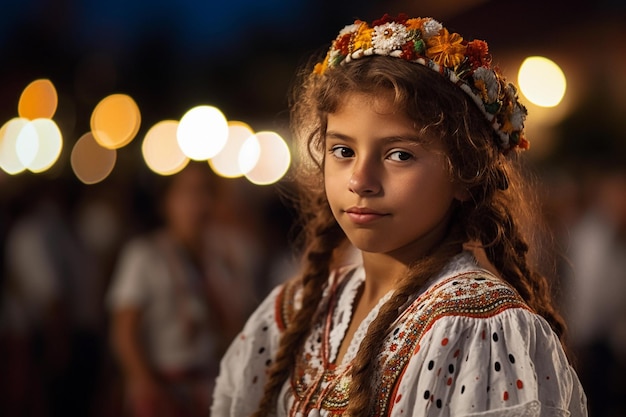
[(414, 23), (446, 49), (321, 67)]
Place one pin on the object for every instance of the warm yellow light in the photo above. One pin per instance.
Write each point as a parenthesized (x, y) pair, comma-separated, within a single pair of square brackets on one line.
[(274, 159), (38, 100), (50, 144), (115, 121), (9, 133), (226, 162), (91, 162), (542, 81), (202, 132), (161, 151)]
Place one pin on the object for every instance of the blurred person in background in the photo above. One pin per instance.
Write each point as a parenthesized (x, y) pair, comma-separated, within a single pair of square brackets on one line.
[(596, 283), (176, 299), (50, 311)]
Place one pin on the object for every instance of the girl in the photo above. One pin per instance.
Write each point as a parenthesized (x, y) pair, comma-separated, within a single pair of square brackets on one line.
[(412, 143)]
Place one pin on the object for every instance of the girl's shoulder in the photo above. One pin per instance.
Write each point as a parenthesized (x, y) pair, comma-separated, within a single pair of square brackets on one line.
[(464, 288), (472, 293)]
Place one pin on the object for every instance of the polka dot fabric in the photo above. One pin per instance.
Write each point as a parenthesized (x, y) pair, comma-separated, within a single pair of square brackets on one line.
[(239, 386), (509, 365)]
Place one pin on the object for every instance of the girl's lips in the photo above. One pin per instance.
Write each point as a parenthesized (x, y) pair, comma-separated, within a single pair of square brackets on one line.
[(363, 215)]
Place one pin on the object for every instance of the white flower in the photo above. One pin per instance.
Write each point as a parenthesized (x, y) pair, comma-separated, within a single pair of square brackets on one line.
[(490, 80), (388, 37), (431, 28), (349, 29), (517, 118)]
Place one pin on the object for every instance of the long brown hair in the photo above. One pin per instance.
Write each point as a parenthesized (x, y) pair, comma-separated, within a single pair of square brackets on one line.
[(493, 216)]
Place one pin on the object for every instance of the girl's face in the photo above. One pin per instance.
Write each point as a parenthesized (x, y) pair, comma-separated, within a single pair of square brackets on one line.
[(389, 190)]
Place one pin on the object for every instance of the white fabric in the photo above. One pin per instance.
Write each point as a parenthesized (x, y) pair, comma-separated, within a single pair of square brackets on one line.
[(459, 369), (143, 280)]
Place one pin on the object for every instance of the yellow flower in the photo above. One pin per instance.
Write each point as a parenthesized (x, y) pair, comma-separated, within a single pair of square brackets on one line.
[(363, 37), (446, 49)]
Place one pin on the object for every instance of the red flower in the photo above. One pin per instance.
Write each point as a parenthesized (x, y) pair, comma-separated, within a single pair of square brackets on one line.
[(523, 143), (401, 18), (408, 51), (343, 44), (478, 53)]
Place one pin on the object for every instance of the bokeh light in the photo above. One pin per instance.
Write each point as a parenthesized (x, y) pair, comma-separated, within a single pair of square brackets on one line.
[(38, 100), (115, 121), (274, 159), (9, 133), (249, 154), (202, 132), (91, 162), (27, 144), (160, 149), (542, 81), (50, 144), (226, 162)]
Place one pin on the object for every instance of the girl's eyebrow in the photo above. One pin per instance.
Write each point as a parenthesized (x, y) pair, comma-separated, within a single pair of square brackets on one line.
[(336, 135), (410, 138)]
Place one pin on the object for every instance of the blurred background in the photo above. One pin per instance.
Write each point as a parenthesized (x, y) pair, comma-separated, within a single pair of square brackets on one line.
[(79, 234)]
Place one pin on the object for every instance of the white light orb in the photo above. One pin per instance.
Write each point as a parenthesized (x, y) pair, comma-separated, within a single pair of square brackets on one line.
[(249, 154), (27, 144), (274, 159), (9, 133), (202, 132), (542, 81), (226, 162), (50, 145)]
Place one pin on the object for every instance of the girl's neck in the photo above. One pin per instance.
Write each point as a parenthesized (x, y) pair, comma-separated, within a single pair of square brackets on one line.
[(382, 272)]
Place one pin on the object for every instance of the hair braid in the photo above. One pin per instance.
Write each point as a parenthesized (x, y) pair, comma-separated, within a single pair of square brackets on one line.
[(507, 249), (326, 237), (364, 368)]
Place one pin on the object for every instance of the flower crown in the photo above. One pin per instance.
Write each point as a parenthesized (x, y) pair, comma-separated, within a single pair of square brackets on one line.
[(465, 63)]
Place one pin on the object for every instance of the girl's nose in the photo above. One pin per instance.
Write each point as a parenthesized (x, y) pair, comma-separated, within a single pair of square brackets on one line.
[(364, 179)]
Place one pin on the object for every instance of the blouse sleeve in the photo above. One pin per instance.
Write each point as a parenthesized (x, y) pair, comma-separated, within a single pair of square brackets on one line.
[(511, 364), (239, 386)]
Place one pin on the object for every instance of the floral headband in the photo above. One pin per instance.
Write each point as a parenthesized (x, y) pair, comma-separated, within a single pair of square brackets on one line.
[(465, 63)]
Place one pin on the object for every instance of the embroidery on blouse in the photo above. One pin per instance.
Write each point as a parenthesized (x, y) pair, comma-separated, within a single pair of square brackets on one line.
[(318, 383)]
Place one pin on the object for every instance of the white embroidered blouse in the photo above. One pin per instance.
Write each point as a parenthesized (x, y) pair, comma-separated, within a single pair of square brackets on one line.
[(467, 345)]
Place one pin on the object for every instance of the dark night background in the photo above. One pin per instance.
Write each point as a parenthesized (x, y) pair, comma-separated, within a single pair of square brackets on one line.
[(241, 56)]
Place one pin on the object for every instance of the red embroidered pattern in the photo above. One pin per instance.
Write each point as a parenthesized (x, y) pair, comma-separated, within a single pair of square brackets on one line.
[(316, 383)]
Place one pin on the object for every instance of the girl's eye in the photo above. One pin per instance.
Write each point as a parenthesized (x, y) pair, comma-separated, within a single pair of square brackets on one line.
[(400, 156), (341, 152)]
